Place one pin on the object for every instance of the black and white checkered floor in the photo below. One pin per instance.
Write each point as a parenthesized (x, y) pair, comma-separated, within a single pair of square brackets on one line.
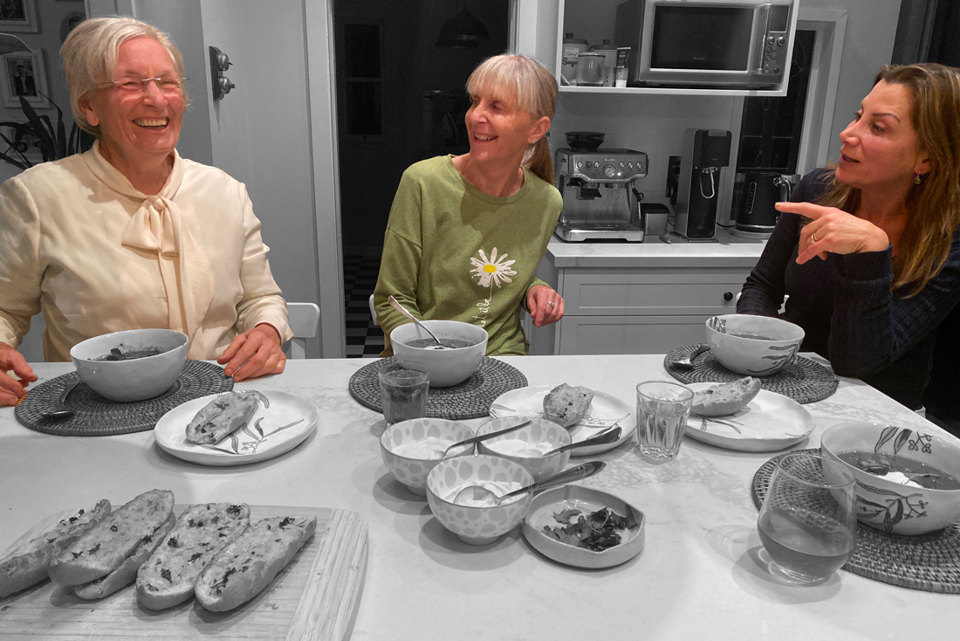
[(364, 339)]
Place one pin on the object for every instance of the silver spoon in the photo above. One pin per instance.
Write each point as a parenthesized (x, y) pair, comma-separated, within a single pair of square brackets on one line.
[(609, 436), (403, 310), (479, 496), (484, 437), (882, 470), (686, 362), (60, 410)]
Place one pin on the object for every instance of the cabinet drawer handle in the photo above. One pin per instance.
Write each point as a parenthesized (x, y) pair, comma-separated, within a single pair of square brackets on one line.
[(728, 296)]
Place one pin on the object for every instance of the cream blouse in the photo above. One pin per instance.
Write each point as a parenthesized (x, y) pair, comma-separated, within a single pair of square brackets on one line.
[(81, 245)]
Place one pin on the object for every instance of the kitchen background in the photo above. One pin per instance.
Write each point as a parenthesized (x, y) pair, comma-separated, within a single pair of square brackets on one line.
[(323, 191)]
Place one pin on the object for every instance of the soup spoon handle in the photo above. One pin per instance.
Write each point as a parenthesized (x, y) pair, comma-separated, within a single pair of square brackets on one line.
[(403, 310), (609, 436), (484, 437), (560, 478)]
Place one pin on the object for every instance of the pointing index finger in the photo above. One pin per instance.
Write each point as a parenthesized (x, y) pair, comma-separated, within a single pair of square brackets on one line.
[(808, 210)]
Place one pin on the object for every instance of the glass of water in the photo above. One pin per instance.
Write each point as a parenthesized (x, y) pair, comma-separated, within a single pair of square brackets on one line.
[(662, 411), (404, 386), (808, 520)]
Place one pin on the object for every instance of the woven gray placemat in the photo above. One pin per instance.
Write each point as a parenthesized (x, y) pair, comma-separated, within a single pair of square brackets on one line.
[(803, 380), (470, 399), (929, 562), (95, 415)]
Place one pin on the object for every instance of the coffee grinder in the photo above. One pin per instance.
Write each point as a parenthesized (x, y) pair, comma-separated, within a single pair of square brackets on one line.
[(705, 153)]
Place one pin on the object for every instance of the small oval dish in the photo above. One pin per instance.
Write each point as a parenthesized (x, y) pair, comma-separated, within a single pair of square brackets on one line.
[(542, 513)]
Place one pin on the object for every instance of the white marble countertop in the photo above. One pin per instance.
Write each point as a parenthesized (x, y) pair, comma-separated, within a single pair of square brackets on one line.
[(728, 251), (697, 578)]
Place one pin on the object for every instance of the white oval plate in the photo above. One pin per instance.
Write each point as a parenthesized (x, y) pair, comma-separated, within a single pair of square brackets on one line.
[(604, 412), (768, 423), (282, 422), (546, 504)]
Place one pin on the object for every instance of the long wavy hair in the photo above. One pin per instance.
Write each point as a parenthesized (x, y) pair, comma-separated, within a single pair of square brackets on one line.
[(536, 91), (933, 205)]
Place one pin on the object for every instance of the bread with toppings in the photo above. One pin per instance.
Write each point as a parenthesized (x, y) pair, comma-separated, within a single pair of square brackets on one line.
[(726, 398), (222, 416), (101, 549), (247, 565), (566, 405), (27, 565), (167, 578)]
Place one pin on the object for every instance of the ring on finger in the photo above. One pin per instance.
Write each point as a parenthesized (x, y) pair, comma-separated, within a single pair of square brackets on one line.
[(551, 303), (814, 238)]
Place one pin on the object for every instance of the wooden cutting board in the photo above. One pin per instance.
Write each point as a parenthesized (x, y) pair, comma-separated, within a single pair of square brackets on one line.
[(315, 597)]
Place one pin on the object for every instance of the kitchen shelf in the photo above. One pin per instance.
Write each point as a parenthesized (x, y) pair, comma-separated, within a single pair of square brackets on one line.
[(669, 91)]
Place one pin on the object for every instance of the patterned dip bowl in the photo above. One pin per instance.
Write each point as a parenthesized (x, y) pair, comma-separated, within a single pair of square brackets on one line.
[(891, 496), (410, 449), (528, 445), (473, 524), (753, 345)]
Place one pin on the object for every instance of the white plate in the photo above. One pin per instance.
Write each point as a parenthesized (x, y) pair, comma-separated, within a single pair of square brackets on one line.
[(546, 504), (768, 423), (282, 422), (604, 412)]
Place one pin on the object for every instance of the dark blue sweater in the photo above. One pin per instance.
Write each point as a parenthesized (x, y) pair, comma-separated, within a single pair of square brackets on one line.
[(846, 306)]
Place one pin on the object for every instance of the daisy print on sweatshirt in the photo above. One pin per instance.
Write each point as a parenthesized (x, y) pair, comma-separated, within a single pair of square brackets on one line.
[(490, 272)]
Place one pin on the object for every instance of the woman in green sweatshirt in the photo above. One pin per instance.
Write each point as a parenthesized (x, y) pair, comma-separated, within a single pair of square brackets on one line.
[(466, 233)]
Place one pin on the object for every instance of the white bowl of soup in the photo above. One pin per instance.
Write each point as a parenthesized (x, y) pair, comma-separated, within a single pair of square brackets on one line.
[(753, 345), (132, 365), (451, 364), (908, 480)]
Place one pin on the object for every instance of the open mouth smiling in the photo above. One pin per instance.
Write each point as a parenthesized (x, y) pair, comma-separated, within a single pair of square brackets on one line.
[(151, 123)]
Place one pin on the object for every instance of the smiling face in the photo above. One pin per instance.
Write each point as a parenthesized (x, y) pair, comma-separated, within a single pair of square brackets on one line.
[(499, 129), (880, 146), (142, 125)]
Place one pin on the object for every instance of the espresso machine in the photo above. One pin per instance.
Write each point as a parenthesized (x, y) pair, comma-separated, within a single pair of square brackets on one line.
[(600, 201), (705, 153)]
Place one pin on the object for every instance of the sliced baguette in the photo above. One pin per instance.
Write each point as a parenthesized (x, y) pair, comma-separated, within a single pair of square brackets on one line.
[(168, 576), (221, 416), (101, 550), (725, 399), (245, 567), (126, 572), (566, 405), (27, 565)]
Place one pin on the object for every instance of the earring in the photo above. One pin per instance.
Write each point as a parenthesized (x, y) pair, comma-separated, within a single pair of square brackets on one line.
[(916, 179)]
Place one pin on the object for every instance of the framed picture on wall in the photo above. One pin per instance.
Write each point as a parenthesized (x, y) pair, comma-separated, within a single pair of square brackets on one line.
[(18, 15), (23, 74)]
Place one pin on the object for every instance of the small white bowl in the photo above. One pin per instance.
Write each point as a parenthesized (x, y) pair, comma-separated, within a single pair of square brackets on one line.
[(407, 448), (753, 345), (885, 504), (449, 366), (541, 434), (477, 525), (136, 379)]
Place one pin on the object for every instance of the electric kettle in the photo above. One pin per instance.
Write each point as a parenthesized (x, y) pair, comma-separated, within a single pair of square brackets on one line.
[(760, 191)]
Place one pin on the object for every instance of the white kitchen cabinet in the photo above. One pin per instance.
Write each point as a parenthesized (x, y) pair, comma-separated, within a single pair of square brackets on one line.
[(641, 298)]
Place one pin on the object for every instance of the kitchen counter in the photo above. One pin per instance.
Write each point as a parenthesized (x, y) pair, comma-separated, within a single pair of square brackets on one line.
[(698, 577), (637, 298)]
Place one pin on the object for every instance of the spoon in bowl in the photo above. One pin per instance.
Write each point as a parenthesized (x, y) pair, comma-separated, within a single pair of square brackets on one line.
[(403, 310), (60, 410), (686, 362), (608, 436), (483, 437), (479, 496)]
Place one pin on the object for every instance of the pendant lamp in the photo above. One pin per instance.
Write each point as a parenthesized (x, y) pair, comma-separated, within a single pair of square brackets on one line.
[(462, 31)]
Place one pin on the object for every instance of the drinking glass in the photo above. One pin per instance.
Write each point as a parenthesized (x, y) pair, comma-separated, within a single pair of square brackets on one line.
[(808, 521), (404, 386), (662, 411)]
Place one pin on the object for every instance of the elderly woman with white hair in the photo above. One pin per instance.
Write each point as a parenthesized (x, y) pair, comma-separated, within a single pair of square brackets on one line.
[(466, 232), (130, 234)]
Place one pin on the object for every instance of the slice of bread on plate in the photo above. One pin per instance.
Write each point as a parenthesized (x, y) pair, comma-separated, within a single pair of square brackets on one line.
[(221, 416), (245, 567), (726, 398), (167, 578), (27, 565), (566, 405), (101, 550), (126, 572)]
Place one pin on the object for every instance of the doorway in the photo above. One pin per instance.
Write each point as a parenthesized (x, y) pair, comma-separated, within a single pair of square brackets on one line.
[(400, 99)]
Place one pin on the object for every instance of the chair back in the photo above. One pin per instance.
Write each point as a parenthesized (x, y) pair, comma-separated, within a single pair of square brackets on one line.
[(304, 319)]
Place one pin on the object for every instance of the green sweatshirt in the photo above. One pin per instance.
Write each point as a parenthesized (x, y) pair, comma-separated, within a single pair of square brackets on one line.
[(452, 252)]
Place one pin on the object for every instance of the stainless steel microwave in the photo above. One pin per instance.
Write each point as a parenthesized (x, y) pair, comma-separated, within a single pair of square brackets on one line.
[(706, 43)]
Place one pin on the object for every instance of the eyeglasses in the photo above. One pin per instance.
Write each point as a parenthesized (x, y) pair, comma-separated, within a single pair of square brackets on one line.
[(167, 86)]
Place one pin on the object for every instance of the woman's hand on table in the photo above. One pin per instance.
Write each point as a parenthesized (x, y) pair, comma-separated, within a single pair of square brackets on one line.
[(834, 231), (254, 353), (545, 305), (12, 390)]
